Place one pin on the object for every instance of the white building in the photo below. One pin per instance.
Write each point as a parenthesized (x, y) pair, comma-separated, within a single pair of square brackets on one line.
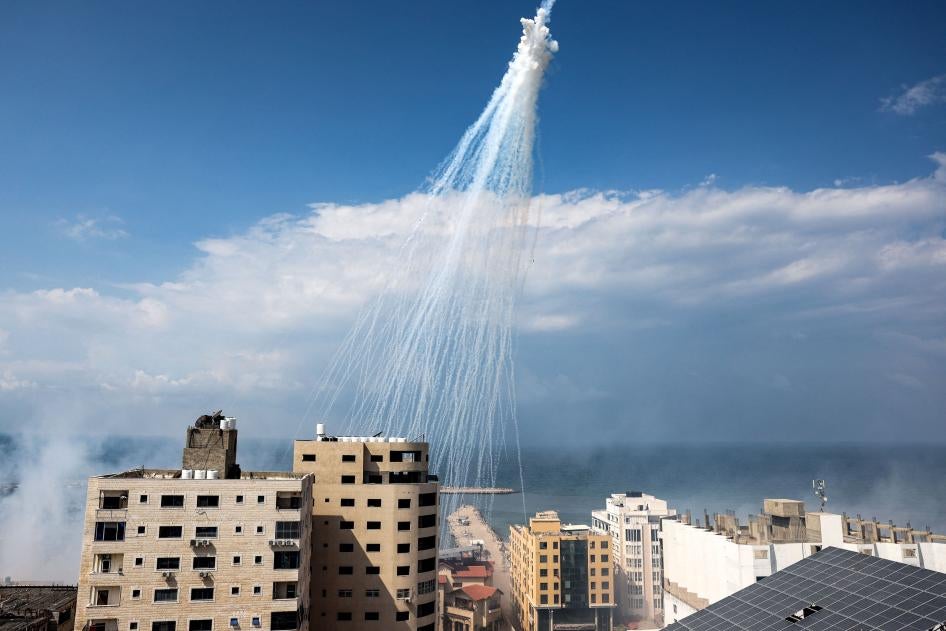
[(704, 565), (633, 521)]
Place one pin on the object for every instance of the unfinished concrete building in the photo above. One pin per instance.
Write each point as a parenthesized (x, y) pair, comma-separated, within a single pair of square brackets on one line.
[(37, 607)]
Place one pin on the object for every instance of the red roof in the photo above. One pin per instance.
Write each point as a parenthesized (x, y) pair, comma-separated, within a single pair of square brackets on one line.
[(441, 578), (474, 571), (478, 592)]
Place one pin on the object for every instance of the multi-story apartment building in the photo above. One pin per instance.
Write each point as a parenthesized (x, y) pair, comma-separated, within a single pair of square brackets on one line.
[(704, 564), (374, 533), (632, 520), (207, 547), (561, 575)]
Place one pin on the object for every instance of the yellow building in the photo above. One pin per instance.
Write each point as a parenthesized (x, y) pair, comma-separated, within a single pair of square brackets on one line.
[(561, 576)]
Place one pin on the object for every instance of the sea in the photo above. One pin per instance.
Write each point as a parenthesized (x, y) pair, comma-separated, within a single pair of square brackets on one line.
[(898, 482)]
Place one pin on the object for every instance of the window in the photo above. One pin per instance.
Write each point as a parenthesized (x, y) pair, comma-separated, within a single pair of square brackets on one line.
[(543, 572), (427, 543), (374, 503), (372, 570), (239, 499), (374, 525), (347, 501), (109, 531), (260, 530), (374, 478), (427, 521), (165, 595), (344, 593), (348, 479), (257, 590), (404, 503), (308, 457), (170, 532), (760, 554), (285, 590), (348, 458), (237, 559), (401, 616), (604, 558), (205, 563), (235, 590), (405, 456), (234, 622), (372, 593), (208, 501), (142, 499), (604, 545), (345, 570), (206, 532), (377, 458), (427, 565), (374, 547), (200, 625), (202, 593), (427, 499), (403, 525), (288, 529), (632, 534), (543, 599), (346, 547), (163, 625), (133, 625), (258, 559), (543, 558), (403, 548), (426, 587), (260, 499), (136, 593), (168, 563), (283, 620), (545, 586), (343, 615), (403, 594), (346, 525), (238, 530), (256, 621), (404, 570), (142, 530), (286, 560), (172, 501), (425, 609), (372, 615), (139, 561)]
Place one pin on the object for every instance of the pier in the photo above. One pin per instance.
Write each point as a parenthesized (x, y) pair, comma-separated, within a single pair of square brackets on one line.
[(477, 490)]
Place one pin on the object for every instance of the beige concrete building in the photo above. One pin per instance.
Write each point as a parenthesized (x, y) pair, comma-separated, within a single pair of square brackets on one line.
[(197, 549), (374, 533), (706, 563), (633, 520), (561, 576)]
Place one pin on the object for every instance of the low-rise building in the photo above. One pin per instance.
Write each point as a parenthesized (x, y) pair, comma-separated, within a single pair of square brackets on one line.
[(473, 607), (37, 607), (704, 564), (197, 548), (561, 575), (633, 521)]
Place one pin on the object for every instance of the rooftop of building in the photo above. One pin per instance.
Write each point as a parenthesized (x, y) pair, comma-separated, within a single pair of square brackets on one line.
[(176, 474), (478, 592), (29, 599), (547, 523)]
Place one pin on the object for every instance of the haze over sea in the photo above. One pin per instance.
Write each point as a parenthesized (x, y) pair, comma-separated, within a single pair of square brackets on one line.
[(898, 482)]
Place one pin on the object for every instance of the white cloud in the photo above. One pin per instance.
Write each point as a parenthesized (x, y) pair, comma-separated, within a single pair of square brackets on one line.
[(85, 228), (912, 98), (253, 319)]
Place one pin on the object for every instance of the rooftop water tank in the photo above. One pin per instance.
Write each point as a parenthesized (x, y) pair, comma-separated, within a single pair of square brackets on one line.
[(320, 430), (187, 474), (212, 474), (200, 474)]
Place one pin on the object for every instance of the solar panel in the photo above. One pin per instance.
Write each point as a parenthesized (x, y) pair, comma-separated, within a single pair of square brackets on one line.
[(833, 590)]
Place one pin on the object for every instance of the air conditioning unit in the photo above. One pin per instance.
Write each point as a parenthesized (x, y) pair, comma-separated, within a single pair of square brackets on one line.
[(273, 542), (286, 542), (204, 575), (167, 574), (194, 542), (205, 542)]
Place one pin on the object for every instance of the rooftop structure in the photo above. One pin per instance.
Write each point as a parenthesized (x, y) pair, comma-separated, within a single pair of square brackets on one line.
[(561, 575), (704, 564), (834, 589), (37, 607)]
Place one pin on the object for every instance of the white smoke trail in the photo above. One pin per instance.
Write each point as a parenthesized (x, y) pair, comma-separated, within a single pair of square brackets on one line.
[(432, 355)]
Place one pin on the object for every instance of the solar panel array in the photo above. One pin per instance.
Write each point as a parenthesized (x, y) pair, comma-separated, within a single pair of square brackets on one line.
[(853, 591)]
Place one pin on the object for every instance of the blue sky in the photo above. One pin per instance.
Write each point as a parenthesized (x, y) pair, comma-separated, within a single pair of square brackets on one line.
[(131, 132)]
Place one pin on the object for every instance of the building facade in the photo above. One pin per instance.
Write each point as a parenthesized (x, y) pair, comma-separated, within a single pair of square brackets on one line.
[(374, 533), (704, 564), (561, 575), (196, 549), (633, 521)]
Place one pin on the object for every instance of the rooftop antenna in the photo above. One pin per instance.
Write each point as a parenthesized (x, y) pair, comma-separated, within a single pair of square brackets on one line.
[(818, 486)]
